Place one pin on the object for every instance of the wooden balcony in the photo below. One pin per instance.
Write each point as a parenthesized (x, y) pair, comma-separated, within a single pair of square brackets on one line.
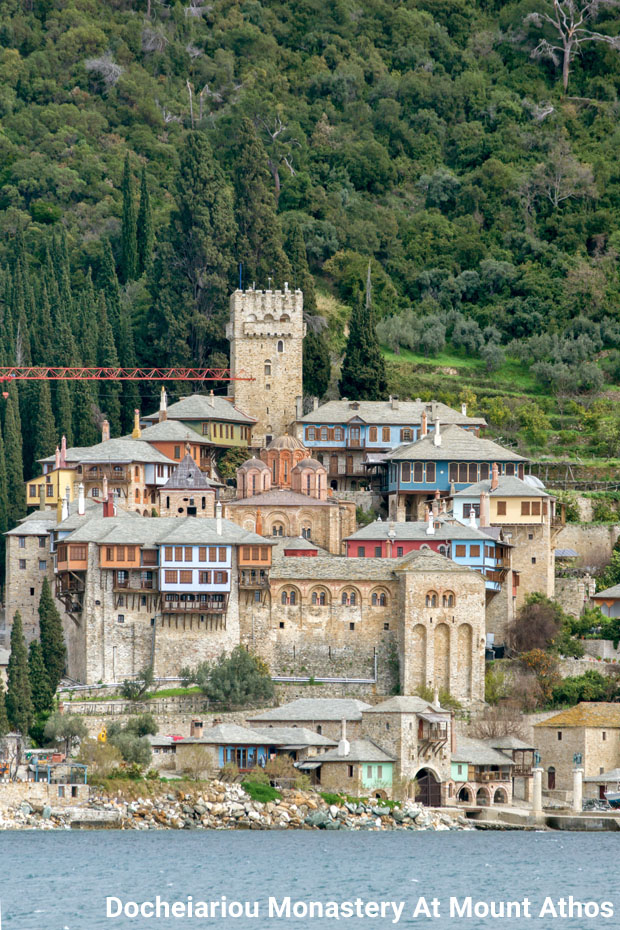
[(522, 770), (197, 606), (251, 579), (99, 472)]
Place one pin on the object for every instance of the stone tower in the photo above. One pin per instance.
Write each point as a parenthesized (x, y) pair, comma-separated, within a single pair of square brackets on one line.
[(266, 331)]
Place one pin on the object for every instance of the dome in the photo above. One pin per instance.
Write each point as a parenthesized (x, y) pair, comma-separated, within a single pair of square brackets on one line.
[(286, 442), (309, 463), (253, 463)]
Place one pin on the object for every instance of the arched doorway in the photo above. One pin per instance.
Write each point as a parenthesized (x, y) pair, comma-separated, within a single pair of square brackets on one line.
[(551, 778), (464, 795), (482, 797), (428, 789), (500, 796)]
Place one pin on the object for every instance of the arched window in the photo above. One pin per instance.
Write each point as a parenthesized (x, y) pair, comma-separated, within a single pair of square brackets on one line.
[(137, 494), (378, 599), (319, 598), (267, 367), (204, 503), (254, 484), (443, 550), (274, 473), (431, 599), (308, 484), (292, 598), (284, 597), (280, 346), (305, 532), (448, 599), (137, 472), (277, 529), (349, 598)]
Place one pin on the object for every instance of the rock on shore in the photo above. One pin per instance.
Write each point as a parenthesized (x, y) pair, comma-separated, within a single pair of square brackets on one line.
[(221, 806)]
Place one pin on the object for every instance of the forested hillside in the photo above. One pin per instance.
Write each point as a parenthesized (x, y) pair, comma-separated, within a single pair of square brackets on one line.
[(148, 147)]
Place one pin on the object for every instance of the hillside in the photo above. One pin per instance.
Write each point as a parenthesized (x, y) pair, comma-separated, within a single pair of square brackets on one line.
[(424, 136)]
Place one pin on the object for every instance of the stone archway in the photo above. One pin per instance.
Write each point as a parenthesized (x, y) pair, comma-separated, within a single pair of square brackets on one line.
[(500, 796), (464, 795), (482, 797), (428, 788)]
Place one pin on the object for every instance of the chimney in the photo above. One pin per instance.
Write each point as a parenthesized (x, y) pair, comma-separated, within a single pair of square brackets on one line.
[(472, 518), (484, 509), (444, 506), (259, 522), (424, 429), (65, 504), (218, 518), (108, 506), (437, 434), (452, 733), (435, 507), (105, 431), (195, 728), (63, 451), (299, 412), (81, 501), (436, 703), (57, 458), (163, 405), (495, 477), (430, 529), (315, 403), (344, 746), (394, 402), (42, 497), (464, 409), (211, 399), (105, 487), (136, 432)]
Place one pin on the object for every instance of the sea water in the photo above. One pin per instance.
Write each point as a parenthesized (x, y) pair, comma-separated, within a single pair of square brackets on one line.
[(308, 880)]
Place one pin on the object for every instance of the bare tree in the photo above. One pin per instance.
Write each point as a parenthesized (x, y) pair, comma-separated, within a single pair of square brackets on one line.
[(279, 148), (503, 720), (563, 177), (105, 68), (570, 22)]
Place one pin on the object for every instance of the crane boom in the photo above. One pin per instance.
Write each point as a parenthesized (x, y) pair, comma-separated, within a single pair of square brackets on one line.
[(61, 373)]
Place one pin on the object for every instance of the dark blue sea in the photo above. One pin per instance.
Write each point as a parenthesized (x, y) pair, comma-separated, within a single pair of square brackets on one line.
[(60, 881)]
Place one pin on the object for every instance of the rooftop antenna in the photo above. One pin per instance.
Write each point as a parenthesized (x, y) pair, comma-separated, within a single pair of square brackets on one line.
[(269, 283)]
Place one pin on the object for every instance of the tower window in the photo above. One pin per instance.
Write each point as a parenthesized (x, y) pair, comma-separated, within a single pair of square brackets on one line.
[(280, 345), (267, 368)]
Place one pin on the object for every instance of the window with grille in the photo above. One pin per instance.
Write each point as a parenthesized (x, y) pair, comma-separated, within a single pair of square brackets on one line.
[(186, 577), (170, 577), (501, 508), (205, 577)]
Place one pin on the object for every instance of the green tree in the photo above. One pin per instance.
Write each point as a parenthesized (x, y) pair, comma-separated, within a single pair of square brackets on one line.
[(236, 679), (4, 509), (45, 426), (144, 226), (19, 707), (135, 688), (363, 374), (64, 410), (4, 720), (14, 462), (129, 249), (42, 694), (259, 238), (65, 728), (296, 251), (52, 637), (108, 358), (316, 364)]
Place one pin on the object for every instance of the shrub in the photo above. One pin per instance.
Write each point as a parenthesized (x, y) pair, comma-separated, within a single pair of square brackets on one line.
[(259, 791)]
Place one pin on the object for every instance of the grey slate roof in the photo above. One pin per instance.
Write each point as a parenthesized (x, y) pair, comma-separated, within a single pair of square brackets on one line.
[(119, 451), (405, 704), (313, 709), (361, 750), (151, 531), (405, 413), (507, 743), (171, 431), (334, 568), (228, 733), (426, 560), (478, 752), (37, 523), (294, 736), (457, 444), (204, 407), (507, 486), (609, 592), (612, 776), (187, 476), (381, 530)]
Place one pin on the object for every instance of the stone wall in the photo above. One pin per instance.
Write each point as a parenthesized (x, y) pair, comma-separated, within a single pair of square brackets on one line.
[(574, 593), (594, 543), (23, 584), (532, 557), (326, 523), (39, 793), (603, 648)]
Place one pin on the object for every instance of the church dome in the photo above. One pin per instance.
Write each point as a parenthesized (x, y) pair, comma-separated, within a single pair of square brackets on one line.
[(253, 463), (309, 463), (286, 442)]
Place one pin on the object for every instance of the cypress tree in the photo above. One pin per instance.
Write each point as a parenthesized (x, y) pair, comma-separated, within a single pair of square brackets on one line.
[(19, 707), (4, 720), (45, 425), (52, 638), (129, 254), (363, 374), (259, 239), (86, 432), (42, 694), (4, 507), (14, 461), (296, 250), (107, 358), (144, 231), (64, 410), (109, 283), (316, 364), (195, 267)]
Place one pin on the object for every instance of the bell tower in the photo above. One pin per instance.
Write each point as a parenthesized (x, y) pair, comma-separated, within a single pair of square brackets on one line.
[(266, 331)]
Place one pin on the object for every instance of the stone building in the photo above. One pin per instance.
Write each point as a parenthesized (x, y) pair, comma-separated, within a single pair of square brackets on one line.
[(266, 331), (325, 715), (284, 493), (590, 730), (188, 492), (28, 561), (482, 774)]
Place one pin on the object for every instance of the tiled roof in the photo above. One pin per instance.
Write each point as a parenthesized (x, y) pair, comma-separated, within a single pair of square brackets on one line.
[(201, 530), (507, 743), (151, 531), (426, 560), (281, 497), (404, 413), (332, 568), (314, 709), (586, 714), (507, 486), (612, 776), (457, 444), (612, 592), (113, 450), (360, 750), (187, 476), (404, 704), (415, 530), (295, 736), (478, 752), (226, 733), (204, 407), (37, 523)]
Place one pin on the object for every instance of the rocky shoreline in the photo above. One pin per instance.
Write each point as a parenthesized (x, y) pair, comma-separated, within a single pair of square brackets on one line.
[(222, 806)]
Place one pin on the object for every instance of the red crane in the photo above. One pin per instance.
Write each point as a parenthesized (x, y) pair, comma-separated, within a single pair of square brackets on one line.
[(62, 373)]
